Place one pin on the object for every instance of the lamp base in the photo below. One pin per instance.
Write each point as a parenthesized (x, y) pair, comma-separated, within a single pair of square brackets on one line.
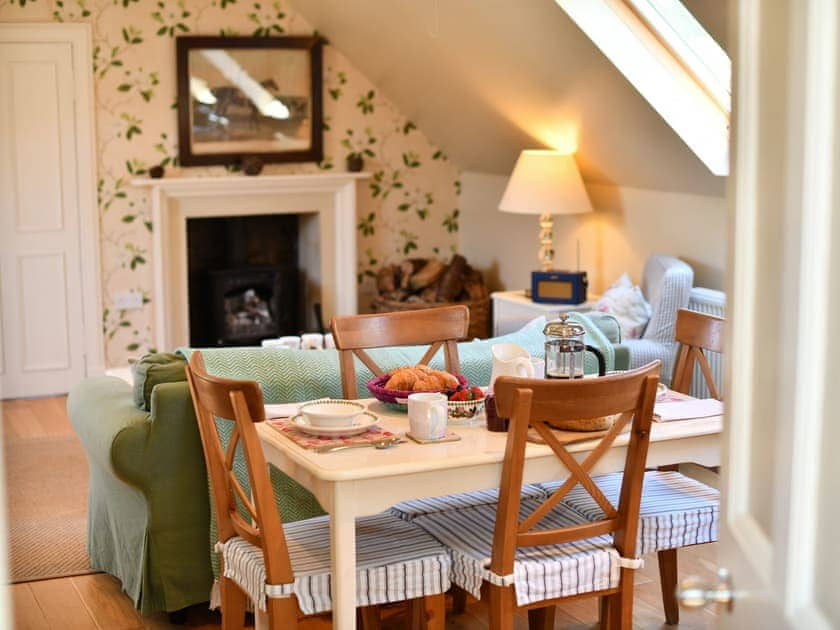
[(559, 287), (546, 242)]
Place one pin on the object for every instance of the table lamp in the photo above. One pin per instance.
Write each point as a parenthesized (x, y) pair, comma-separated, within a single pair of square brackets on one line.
[(548, 183)]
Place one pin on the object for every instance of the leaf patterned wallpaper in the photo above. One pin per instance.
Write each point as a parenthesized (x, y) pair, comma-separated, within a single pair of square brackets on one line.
[(408, 207)]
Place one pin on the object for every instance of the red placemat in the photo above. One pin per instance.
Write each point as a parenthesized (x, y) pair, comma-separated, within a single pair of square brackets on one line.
[(287, 428)]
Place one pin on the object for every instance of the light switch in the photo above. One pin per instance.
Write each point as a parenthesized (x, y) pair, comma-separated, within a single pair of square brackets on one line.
[(128, 300)]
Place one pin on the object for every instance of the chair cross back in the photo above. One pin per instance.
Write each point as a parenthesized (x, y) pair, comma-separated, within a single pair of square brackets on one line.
[(534, 403), (697, 333), (437, 327), (241, 403)]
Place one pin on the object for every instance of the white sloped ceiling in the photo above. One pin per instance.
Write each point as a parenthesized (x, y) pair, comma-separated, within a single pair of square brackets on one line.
[(485, 79)]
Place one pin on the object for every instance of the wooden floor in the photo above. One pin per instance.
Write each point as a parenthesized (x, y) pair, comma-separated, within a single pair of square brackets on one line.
[(97, 602)]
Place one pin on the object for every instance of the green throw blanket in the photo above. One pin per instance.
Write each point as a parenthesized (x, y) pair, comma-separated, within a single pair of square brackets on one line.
[(298, 375)]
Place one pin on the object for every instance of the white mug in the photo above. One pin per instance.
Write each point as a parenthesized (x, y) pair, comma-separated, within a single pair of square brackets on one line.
[(282, 342), (289, 341), (427, 414), (329, 342), (539, 367), (312, 341)]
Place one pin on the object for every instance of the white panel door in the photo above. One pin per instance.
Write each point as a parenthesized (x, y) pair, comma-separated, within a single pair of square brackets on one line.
[(781, 496), (42, 332)]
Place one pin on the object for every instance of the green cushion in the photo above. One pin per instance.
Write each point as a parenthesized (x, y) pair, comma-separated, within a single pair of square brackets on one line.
[(622, 357), (607, 324), (153, 369)]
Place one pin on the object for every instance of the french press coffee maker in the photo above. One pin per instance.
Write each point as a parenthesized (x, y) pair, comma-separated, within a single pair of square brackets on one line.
[(565, 350)]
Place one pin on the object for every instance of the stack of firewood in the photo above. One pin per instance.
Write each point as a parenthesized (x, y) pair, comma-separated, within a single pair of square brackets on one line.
[(430, 280)]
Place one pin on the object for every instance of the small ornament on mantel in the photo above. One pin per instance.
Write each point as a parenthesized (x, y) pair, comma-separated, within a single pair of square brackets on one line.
[(252, 165), (156, 172), (355, 162)]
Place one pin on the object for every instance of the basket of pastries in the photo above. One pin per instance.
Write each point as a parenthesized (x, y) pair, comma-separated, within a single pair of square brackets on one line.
[(396, 386)]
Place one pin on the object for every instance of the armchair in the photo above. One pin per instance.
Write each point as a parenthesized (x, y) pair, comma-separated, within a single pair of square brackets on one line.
[(666, 285)]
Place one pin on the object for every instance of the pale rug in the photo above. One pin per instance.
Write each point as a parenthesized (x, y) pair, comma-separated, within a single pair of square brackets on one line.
[(47, 487)]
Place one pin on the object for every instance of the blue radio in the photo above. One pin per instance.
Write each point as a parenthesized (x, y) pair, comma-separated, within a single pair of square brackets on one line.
[(559, 287)]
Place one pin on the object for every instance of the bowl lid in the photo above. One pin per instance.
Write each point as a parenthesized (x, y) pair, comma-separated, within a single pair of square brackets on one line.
[(334, 408)]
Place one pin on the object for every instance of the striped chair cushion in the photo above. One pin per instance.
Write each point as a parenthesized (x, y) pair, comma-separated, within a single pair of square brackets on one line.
[(539, 573), (409, 510), (395, 561), (676, 511)]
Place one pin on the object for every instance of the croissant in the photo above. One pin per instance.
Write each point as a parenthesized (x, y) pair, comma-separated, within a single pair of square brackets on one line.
[(402, 379), (449, 380), (429, 383), (420, 378)]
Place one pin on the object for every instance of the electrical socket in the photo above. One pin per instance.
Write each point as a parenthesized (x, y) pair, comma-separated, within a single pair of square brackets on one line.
[(128, 300)]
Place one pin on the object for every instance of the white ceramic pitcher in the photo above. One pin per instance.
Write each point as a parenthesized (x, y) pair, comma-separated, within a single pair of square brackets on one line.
[(510, 360)]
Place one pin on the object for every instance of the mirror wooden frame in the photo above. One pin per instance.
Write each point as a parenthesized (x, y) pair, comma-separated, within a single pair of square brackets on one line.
[(311, 44)]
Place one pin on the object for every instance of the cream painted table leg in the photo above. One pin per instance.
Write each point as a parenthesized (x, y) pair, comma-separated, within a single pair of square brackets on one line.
[(343, 554)]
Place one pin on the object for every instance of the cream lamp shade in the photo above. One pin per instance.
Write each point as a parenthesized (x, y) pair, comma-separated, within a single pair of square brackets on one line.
[(545, 183)]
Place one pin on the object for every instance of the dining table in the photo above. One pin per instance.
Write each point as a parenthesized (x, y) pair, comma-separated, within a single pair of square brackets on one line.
[(363, 481)]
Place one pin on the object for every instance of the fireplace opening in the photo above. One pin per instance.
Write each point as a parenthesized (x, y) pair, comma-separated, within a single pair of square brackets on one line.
[(244, 280)]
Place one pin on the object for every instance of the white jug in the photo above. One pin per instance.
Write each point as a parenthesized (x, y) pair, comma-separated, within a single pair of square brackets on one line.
[(510, 360)]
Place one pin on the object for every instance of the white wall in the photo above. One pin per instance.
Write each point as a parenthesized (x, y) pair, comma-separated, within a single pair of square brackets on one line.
[(627, 226)]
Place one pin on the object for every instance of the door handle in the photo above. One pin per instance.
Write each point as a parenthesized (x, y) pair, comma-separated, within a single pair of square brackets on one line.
[(694, 592)]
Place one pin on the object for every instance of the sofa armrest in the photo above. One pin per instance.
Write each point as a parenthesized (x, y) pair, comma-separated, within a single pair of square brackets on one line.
[(163, 445), (643, 351), (607, 324), (99, 409), (622, 357), (164, 459)]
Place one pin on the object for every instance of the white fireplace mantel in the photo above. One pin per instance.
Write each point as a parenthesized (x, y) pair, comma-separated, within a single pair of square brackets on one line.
[(331, 240)]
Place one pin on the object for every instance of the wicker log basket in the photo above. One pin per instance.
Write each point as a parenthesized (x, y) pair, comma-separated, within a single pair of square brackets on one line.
[(479, 311), (421, 283)]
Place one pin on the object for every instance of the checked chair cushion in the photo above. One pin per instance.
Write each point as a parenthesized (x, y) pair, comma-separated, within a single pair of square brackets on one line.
[(540, 573), (676, 511), (395, 562)]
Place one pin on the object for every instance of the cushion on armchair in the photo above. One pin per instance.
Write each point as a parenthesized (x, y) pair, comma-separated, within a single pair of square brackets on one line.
[(152, 369), (666, 283), (625, 302)]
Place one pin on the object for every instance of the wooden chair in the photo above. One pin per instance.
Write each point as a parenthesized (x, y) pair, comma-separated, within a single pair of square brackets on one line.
[(436, 327), (540, 552), (676, 511), (696, 332), (259, 553)]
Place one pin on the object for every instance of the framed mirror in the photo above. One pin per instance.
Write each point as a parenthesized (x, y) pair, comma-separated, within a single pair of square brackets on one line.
[(249, 96)]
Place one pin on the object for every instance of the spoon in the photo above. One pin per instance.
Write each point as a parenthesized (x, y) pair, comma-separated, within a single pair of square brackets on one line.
[(379, 445)]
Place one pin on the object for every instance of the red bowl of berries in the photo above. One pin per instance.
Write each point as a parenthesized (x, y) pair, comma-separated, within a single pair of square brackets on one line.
[(466, 406)]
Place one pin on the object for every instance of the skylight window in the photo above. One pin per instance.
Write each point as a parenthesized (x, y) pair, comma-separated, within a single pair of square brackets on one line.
[(671, 61), (691, 43)]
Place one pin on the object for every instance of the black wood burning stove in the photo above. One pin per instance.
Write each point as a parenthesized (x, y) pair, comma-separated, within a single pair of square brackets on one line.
[(252, 303), (244, 279)]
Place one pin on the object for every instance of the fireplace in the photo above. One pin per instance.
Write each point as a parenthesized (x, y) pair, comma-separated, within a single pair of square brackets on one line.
[(249, 305), (325, 206), (243, 279)]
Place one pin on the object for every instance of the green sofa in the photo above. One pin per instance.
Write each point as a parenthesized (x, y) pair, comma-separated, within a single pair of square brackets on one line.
[(150, 520)]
